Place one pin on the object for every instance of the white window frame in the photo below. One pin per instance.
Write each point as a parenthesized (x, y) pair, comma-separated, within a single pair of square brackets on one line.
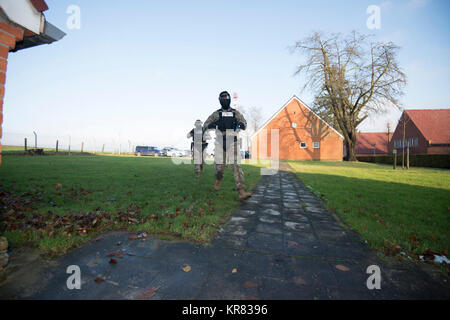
[(306, 145), (316, 143)]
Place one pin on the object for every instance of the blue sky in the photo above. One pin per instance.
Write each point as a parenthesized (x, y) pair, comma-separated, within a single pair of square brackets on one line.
[(144, 71)]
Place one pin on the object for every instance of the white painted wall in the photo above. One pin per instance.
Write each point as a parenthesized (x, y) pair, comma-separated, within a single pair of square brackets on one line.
[(23, 13)]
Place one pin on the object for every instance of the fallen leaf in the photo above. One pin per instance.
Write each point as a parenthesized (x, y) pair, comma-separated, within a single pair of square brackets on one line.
[(234, 270), (342, 268), (99, 279), (112, 261), (118, 254), (58, 186), (186, 268), (147, 293), (299, 281), (133, 237), (293, 243), (94, 262), (249, 284), (97, 239)]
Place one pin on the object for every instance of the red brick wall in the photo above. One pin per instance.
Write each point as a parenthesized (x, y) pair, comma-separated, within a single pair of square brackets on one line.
[(9, 35), (438, 150), (309, 129), (411, 131)]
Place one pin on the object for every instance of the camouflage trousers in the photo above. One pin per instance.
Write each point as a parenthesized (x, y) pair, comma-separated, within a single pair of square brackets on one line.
[(199, 159), (232, 157)]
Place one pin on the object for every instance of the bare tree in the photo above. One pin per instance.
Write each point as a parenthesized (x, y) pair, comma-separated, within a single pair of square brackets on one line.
[(255, 118), (253, 115), (351, 76)]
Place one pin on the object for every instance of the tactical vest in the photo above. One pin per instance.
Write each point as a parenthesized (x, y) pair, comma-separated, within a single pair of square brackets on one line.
[(227, 120)]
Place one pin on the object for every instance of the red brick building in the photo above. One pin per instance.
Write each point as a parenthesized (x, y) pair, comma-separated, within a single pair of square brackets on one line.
[(22, 25), (426, 130), (372, 143), (302, 135)]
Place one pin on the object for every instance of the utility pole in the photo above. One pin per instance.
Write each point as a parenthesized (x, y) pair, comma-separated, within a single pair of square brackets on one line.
[(404, 121), (35, 139), (70, 140), (395, 158), (407, 156)]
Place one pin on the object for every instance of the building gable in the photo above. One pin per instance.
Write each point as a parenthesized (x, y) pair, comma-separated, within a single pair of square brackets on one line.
[(302, 104)]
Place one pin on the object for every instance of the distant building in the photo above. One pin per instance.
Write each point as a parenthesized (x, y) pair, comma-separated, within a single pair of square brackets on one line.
[(426, 130), (302, 135), (22, 25), (372, 143)]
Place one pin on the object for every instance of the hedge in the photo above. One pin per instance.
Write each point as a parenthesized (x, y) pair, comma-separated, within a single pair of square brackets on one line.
[(415, 160)]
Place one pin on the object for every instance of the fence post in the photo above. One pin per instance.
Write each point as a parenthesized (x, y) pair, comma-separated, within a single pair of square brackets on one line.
[(57, 141), (407, 156), (103, 148), (395, 158), (25, 144), (82, 146)]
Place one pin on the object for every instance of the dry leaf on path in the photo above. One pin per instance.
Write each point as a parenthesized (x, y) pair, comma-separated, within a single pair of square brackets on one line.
[(186, 268), (234, 270), (342, 268), (147, 293), (299, 280), (249, 284), (118, 254)]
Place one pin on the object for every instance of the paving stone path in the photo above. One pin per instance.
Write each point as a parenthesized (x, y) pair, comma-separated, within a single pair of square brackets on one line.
[(279, 244)]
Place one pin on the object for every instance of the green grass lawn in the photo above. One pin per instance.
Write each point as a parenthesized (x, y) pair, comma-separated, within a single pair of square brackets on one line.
[(406, 210), (58, 202)]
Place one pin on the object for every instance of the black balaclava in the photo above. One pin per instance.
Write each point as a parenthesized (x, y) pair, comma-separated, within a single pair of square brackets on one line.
[(225, 100)]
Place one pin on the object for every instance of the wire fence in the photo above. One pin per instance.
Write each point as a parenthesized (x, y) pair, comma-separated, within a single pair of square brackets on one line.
[(93, 144), (68, 143)]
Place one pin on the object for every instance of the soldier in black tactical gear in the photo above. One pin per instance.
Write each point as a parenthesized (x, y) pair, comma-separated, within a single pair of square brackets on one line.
[(198, 147), (227, 122)]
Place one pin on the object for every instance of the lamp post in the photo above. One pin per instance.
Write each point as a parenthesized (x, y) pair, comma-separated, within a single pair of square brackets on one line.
[(70, 141)]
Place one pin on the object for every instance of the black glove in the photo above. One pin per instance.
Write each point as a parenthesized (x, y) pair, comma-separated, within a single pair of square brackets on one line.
[(212, 125), (241, 125)]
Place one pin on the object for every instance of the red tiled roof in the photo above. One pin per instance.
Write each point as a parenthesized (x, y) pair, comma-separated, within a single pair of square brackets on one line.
[(434, 124), (365, 142), (40, 5)]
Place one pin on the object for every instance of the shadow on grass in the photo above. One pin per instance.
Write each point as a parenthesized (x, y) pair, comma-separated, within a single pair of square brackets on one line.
[(414, 217)]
